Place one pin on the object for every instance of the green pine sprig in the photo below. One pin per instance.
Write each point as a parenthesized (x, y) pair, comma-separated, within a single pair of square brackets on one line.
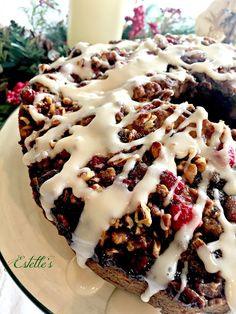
[(22, 50)]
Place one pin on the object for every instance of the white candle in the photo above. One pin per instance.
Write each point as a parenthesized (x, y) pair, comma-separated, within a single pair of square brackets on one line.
[(95, 21)]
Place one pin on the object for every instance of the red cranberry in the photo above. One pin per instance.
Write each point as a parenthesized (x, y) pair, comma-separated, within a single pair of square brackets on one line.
[(28, 95)]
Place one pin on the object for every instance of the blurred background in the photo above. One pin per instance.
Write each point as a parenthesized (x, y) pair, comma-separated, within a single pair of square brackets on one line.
[(10, 10), (37, 31)]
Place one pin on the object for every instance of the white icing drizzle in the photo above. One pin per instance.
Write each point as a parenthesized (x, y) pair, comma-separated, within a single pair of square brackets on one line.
[(184, 280), (133, 304), (82, 281), (103, 99), (227, 263)]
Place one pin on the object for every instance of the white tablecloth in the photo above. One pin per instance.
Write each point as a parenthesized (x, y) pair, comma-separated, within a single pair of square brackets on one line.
[(12, 299)]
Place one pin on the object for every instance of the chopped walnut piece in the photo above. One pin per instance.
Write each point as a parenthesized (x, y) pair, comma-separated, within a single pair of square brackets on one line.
[(156, 248), (112, 251), (197, 243), (108, 174), (190, 172), (150, 123), (200, 162), (25, 120), (207, 129), (143, 118), (142, 215), (67, 101), (116, 223), (162, 190), (130, 135), (118, 162), (48, 99), (129, 221), (87, 175), (119, 237), (155, 149), (166, 222)]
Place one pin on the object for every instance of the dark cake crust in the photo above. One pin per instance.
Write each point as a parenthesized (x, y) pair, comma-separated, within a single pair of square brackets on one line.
[(163, 299)]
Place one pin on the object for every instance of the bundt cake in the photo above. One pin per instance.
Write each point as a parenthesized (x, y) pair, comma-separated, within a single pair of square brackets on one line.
[(131, 152)]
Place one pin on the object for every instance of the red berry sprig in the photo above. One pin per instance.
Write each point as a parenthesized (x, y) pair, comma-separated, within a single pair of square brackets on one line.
[(138, 22), (13, 96)]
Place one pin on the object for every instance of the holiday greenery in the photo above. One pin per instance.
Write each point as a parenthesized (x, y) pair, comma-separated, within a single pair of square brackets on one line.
[(22, 50), (155, 20)]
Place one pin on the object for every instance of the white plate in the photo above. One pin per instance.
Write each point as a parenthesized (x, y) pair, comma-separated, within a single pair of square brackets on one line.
[(26, 236)]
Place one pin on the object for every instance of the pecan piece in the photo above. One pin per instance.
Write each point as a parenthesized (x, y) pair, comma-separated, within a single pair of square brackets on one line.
[(25, 120), (143, 118), (67, 101), (156, 248), (116, 223), (166, 223), (162, 190), (155, 149), (197, 243), (108, 174), (190, 172), (87, 175), (200, 162), (119, 237), (129, 221), (142, 215)]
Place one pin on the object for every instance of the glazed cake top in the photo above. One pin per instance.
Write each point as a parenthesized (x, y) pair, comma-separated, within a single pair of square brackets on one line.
[(102, 86)]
